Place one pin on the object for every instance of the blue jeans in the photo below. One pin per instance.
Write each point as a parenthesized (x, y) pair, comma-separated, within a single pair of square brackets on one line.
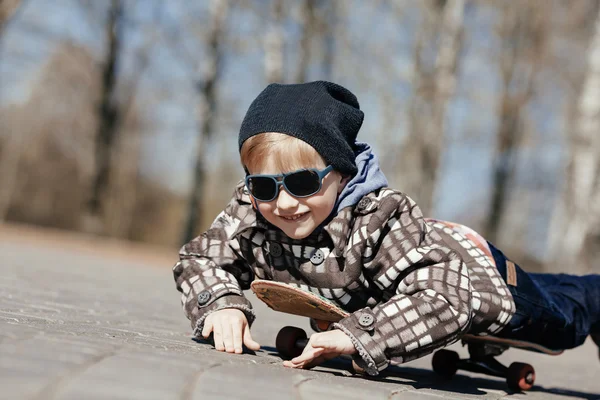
[(558, 311)]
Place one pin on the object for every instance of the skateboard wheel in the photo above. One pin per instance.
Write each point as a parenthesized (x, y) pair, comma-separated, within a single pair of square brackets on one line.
[(445, 363), (287, 339), (318, 325), (520, 377), (357, 369)]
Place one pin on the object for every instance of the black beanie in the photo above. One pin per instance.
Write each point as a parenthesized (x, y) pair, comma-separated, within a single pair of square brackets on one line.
[(323, 114)]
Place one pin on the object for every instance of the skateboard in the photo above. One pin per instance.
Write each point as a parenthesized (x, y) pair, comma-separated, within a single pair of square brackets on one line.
[(483, 350)]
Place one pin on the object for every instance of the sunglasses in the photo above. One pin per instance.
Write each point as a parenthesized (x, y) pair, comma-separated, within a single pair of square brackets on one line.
[(301, 183)]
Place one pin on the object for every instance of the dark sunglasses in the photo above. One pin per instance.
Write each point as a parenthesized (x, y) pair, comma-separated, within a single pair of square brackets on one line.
[(301, 183)]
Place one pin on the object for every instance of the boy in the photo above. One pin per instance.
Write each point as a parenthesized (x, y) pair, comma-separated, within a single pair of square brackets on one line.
[(314, 211)]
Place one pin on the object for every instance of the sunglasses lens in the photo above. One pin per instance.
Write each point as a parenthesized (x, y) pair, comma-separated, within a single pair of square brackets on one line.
[(302, 183), (262, 188)]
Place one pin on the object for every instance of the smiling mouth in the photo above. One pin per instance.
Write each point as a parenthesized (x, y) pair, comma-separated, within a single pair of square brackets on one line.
[(293, 217)]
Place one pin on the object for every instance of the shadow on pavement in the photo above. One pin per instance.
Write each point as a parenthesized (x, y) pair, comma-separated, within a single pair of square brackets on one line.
[(424, 378)]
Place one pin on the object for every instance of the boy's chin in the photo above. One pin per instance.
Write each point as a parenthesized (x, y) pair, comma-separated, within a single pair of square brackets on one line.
[(299, 233)]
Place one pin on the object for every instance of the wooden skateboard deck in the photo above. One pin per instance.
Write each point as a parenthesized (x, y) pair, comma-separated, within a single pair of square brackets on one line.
[(519, 344), (292, 300)]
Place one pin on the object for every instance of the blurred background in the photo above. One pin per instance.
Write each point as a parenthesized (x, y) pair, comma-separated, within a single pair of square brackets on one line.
[(119, 118)]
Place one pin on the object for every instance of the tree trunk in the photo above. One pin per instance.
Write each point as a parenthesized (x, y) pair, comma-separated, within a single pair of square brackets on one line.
[(11, 151), (121, 193), (423, 147), (109, 116), (307, 24), (274, 45), (329, 27), (8, 8), (523, 43), (208, 103), (445, 84), (9, 165), (578, 208)]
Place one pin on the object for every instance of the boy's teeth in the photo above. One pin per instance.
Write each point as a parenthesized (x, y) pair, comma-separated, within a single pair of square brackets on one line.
[(294, 217)]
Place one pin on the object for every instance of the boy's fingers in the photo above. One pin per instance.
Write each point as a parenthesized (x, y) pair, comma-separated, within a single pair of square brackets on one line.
[(207, 329), (319, 357), (320, 360), (237, 338), (218, 337), (227, 331), (248, 341), (308, 354)]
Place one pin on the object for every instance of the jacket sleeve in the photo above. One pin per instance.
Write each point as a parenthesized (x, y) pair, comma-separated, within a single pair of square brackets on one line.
[(425, 283), (211, 272)]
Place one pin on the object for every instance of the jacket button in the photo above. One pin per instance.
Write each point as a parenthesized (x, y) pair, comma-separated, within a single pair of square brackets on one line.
[(318, 257), (203, 297), (364, 203), (275, 249), (366, 320)]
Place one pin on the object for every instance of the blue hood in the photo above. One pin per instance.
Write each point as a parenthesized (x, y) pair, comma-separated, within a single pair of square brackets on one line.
[(368, 178)]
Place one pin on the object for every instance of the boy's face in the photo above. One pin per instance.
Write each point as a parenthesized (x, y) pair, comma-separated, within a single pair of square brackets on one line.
[(299, 217)]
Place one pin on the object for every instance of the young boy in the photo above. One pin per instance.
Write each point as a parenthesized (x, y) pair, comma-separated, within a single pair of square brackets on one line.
[(314, 211)]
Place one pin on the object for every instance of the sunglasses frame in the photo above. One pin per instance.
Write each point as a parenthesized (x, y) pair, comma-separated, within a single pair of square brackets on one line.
[(280, 181)]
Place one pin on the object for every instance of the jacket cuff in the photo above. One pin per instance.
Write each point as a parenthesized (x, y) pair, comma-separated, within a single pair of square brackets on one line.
[(230, 301), (359, 326)]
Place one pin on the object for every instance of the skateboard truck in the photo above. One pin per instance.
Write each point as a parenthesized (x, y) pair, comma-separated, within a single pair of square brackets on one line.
[(482, 359)]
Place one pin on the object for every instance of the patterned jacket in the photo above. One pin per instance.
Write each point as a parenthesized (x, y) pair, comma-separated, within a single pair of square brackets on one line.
[(412, 285)]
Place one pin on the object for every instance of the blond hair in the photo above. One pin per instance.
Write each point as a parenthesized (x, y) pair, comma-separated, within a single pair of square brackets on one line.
[(288, 152)]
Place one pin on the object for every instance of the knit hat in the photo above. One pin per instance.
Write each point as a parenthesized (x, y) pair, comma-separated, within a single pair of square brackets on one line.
[(323, 114)]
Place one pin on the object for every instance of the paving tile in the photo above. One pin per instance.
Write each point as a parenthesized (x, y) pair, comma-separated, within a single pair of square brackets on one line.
[(253, 381), (130, 375), (343, 389)]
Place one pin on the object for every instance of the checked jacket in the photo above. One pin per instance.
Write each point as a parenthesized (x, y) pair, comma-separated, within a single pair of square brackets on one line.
[(412, 285)]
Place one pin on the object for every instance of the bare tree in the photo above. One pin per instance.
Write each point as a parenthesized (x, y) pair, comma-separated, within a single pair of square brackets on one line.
[(578, 212), (328, 23), (523, 32), (11, 150), (10, 157), (121, 191), (55, 128), (423, 146), (274, 45), (308, 24), (207, 88), (8, 8), (109, 112)]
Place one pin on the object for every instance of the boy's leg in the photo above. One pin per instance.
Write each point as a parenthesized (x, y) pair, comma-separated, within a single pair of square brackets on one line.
[(557, 311), (579, 298)]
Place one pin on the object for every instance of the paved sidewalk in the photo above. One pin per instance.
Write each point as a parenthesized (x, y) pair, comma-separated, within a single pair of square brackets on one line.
[(86, 322)]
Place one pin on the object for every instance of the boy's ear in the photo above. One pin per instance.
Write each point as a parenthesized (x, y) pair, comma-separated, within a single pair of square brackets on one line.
[(253, 201), (344, 179)]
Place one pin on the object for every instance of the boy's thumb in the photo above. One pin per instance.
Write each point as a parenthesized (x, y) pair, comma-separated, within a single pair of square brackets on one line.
[(248, 341)]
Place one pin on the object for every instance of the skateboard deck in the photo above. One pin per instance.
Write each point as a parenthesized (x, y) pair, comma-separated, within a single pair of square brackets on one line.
[(292, 300), (519, 344)]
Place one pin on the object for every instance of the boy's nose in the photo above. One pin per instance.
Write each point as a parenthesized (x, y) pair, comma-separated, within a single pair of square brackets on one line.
[(286, 200)]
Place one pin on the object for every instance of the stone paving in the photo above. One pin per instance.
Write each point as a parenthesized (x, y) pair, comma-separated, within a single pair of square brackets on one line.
[(87, 322)]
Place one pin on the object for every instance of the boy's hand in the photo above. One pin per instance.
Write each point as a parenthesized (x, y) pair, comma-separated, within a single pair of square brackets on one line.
[(230, 329), (322, 347)]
